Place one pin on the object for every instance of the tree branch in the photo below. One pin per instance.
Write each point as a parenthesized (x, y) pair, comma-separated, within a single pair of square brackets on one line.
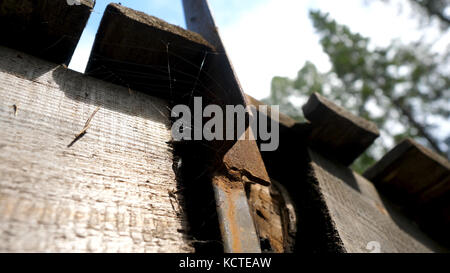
[(422, 131), (427, 5)]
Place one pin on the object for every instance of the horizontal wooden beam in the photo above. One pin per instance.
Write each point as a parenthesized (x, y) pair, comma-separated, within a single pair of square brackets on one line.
[(411, 172), (49, 29), (337, 133), (418, 180), (147, 54)]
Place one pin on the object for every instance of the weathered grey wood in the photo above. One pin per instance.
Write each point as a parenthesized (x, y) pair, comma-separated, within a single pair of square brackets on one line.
[(418, 180), (359, 214), (49, 29), (109, 192), (338, 210), (142, 52), (411, 172), (336, 132)]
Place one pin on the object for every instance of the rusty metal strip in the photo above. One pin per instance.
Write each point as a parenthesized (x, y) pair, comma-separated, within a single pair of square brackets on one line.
[(242, 162), (236, 223)]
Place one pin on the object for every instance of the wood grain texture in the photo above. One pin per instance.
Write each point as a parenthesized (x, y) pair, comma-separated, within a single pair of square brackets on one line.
[(109, 192), (147, 54), (267, 217), (411, 173), (418, 180), (336, 132), (359, 214), (49, 29), (274, 216)]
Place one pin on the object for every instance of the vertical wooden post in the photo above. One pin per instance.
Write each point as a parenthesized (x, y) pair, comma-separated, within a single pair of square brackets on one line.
[(237, 227)]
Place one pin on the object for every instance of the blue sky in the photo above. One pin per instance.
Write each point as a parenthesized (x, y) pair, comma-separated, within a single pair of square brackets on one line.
[(225, 11), (172, 11)]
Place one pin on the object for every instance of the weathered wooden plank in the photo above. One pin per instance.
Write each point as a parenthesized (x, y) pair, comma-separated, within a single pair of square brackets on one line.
[(418, 180), (338, 210), (220, 69), (336, 132), (49, 29), (221, 80), (360, 216), (272, 209), (144, 53), (411, 173), (109, 192), (274, 220)]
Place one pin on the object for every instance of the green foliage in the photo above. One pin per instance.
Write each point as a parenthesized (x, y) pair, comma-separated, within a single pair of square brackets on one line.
[(396, 87)]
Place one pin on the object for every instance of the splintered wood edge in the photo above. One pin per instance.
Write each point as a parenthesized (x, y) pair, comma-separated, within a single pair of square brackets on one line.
[(316, 101), (397, 153), (158, 23)]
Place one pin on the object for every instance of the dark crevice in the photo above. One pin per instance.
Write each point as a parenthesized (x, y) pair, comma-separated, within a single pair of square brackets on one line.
[(198, 194), (259, 213), (266, 247), (316, 232)]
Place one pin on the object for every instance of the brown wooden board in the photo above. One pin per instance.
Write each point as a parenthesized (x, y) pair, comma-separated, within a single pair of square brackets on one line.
[(220, 68), (144, 53), (337, 209), (411, 173), (418, 180), (49, 29), (337, 133), (114, 190), (267, 206)]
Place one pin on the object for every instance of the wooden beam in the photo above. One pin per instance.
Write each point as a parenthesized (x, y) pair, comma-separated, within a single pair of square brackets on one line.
[(418, 180), (338, 209), (359, 215), (199, 19), (144, 53), (411, 173), (49, 29), (336, 132)]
